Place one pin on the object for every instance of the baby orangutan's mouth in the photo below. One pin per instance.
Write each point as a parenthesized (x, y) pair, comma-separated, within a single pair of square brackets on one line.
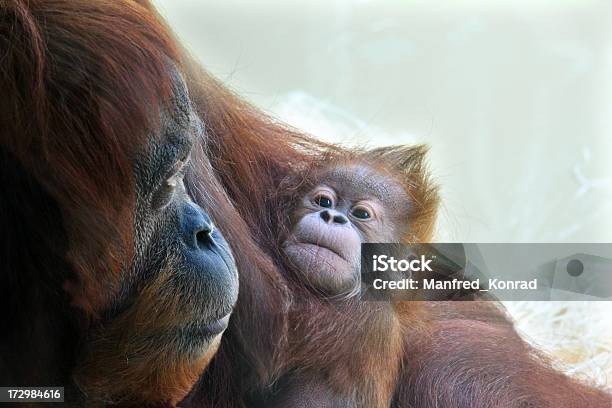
[(323, 248), (319, 249)]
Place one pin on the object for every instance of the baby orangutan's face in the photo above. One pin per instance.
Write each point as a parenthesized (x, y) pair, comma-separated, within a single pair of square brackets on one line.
[(349, 206)]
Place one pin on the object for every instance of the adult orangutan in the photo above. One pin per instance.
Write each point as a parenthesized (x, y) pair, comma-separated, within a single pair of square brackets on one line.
[(115, 283)]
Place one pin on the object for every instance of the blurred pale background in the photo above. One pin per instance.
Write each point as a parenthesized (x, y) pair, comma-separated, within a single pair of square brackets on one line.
[(514, 98)]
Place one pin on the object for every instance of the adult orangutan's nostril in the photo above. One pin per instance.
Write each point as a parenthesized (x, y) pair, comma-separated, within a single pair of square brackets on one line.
[(204, 236)]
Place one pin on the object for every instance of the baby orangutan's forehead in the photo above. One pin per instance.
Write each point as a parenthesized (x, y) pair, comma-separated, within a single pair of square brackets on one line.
[(360, 182)]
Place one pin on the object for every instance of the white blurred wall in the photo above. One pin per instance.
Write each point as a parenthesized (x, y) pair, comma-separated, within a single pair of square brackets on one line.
[(514, 98)]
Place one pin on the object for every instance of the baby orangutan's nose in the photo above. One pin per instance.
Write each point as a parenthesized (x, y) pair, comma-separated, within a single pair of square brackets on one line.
[(333, 217)]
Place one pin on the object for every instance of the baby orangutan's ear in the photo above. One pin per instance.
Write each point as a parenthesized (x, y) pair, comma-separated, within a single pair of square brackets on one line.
[(399, 159), (408, 165)]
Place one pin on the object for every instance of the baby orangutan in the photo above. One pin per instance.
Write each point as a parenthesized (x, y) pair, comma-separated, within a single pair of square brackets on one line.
[(382, 195), (358, 199)]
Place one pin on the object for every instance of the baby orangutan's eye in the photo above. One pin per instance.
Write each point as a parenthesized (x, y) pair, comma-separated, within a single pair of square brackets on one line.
[(324, 201), (361, 213)]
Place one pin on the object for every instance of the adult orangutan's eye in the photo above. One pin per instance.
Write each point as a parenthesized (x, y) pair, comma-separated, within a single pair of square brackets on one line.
[(165, 193)]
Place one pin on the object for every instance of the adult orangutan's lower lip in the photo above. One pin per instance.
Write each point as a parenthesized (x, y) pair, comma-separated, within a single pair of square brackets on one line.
[(214, 328)]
